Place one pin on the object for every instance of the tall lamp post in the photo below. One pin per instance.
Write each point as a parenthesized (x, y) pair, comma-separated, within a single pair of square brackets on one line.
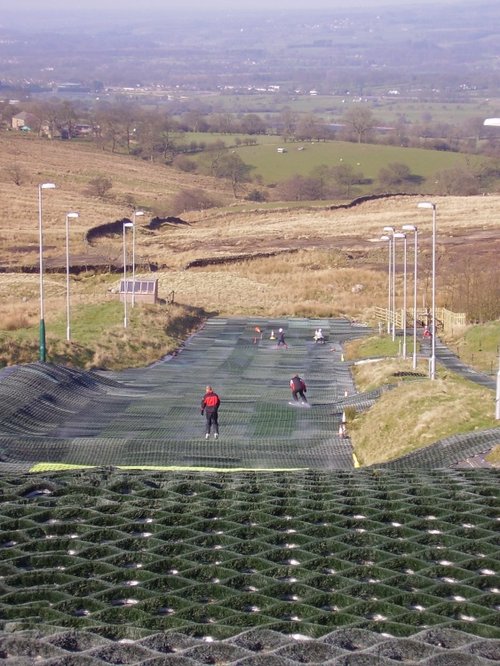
[(42, 342), (394, 237), (412, 227), (389, 239), (403, 236), (137, 213), (69, 216), (392, 282), (495, 122), (126, 225), (432, 365)]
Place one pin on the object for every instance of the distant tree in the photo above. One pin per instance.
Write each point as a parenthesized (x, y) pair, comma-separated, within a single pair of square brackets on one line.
[(148, 129), (256, 195), (127, 115), (287, 120), (360, 120), (168, 138), (309, 127), (325, 176), (345, 177), (66, 119), (222, 123), (108, 127), (16, 173), (232, 167), (252, 123), (472, 131), (194, 121), (399, 136), (212, 156), (99, 186), (394, 175), (299, 188), (457, 181), (7, 111), (183, 163), (192, 199)]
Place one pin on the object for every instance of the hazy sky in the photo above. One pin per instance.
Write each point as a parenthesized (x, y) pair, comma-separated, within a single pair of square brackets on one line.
[(233, 5)]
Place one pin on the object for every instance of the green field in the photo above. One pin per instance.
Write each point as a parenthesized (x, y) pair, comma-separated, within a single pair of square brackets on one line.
[(386, 108), (301, 157), (366, 158)]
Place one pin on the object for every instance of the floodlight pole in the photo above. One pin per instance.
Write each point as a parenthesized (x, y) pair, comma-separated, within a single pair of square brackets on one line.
[(394, 236), (393, 330), (497, 400), (136, 213), (404, 294), (390, 325), (126, 225), (412, 227), (42, 340), (68, 327), (495, 122), (389, 239), (432, 365)]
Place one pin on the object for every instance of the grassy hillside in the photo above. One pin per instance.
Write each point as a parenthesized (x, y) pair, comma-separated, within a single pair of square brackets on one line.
[(242, 259), (366, 158), (71, 165), (303, 156)]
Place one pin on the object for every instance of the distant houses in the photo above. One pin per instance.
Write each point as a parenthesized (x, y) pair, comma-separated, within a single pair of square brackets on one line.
[(29, 122), (26, 122)]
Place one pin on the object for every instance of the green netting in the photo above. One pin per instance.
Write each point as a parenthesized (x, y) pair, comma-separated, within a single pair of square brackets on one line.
[(313, 556), (150, 417), (236, 566)]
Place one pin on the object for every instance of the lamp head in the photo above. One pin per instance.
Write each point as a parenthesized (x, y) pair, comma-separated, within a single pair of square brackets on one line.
[(399, 235), (385, 238), (426, 204), (409, 227), (138, 213), (72, 215), (391, 229), (128, 225), (492, 122), (46, 186)]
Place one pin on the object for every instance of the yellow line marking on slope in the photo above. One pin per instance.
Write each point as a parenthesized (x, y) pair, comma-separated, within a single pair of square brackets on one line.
[(58, 467)]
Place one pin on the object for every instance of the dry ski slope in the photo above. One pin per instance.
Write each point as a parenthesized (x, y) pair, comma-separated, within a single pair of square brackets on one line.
[(151, 417)]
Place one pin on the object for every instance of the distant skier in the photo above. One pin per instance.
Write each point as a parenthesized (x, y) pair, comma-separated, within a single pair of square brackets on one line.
[(281, 339), (298, 387), (318, 336), (258, 335)]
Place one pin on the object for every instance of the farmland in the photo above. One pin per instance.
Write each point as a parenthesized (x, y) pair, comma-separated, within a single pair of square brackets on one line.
[(369, 159)]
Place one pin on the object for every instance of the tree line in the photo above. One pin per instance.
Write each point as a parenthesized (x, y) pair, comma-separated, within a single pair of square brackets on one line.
[(159, 135)]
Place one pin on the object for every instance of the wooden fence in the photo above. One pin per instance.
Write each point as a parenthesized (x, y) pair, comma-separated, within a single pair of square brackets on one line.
[(446, 320)]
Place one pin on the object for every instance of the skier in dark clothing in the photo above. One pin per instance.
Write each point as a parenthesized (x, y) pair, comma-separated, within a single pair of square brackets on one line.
[(281, 339), (210, 407), (298, 386)]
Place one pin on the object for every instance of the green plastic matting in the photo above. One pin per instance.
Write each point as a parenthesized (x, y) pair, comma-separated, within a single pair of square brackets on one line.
[(103, 566), (53, 416)]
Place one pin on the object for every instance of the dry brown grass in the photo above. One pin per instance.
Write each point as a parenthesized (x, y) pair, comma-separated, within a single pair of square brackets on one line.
[(71, 165), (333, 250)]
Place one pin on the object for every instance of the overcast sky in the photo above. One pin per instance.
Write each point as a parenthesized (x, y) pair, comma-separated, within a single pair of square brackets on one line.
[(233, 5)]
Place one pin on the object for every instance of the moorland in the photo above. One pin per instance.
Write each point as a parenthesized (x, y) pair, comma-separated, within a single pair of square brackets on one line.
[(243, 257)]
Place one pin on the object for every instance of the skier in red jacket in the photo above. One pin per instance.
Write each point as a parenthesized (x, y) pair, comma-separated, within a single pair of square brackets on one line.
[(298, 386), (210, 406)]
